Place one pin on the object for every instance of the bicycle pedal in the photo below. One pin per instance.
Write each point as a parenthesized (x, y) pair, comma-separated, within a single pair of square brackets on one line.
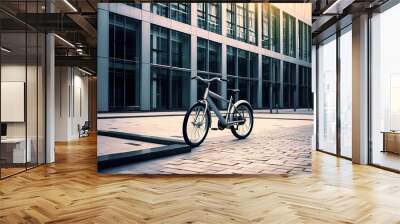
[(214, 129)]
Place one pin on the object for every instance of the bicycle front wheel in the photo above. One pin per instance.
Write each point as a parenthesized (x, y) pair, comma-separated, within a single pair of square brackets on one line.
[(243, 116), (196, 124)]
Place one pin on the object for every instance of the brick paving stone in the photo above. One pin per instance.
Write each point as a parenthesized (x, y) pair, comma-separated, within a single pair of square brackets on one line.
[(270, 149)]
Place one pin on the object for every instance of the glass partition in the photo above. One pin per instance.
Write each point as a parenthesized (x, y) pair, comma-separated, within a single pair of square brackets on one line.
[(22, 77), (385, 89), (15, 149), (327, 95), (346, 92)]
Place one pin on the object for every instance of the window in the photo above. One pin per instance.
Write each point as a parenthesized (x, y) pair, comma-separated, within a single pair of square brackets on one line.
[(202, 15), (201, 54), (275, 29), (180, 49), (208, 56), (245, 78), (214, 17), (242, 22), (385, 88), (304, 42), (124, 72), (136, 5), (289, 35), (177, 55), (176, 11), (208, 63), (266, 32), (243, 63), (180, 12), (169, 89), (231, 20), (289, 85), (304, 84), (252, 22), (327, 95), (214, 57), (209, 16), (161, 9), (346, 92), (159, 45), (231, 60), (170, 82)]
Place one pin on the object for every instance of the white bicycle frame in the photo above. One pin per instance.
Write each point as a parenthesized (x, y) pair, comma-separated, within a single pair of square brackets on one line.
[(227, 121)]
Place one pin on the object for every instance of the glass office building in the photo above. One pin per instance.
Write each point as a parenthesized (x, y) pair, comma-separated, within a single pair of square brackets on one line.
[(264, 50)]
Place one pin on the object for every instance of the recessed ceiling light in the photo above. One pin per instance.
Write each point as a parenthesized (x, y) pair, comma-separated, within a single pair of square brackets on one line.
[(84, 71), (5, 50), (64, 40), (70, 5)]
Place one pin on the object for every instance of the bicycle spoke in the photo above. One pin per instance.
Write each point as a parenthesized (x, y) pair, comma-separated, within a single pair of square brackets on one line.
[(197, 126)]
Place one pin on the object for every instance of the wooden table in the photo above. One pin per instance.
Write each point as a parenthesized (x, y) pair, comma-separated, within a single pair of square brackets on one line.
[(13, 150)]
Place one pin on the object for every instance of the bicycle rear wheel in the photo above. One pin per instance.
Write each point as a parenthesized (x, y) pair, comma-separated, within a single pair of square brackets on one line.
[(196, 124)]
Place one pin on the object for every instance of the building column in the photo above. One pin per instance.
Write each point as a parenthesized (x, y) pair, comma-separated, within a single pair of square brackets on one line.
[(102, 58), (224, 85), (224, 69), (260, 97), (50, 98), (360, 90), (314, 90), (145, 70), (193, 58)]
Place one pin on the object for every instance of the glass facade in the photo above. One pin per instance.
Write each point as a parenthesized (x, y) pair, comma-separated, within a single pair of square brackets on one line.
[(244, 76), (289, 35), (22, 102), (170, 61), (124, 63), (271, 82), (270, 27), (304, 84), (208, 64), (275, 29), (289, 85), (176, 11), (304, 41), (242, 22), (209, 16), (169, 88)]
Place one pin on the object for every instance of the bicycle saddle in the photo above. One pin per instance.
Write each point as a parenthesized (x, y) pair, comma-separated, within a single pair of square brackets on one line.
[(234, 90)]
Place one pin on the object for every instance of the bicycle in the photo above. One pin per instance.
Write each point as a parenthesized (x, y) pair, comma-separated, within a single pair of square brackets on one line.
[(239, 117)]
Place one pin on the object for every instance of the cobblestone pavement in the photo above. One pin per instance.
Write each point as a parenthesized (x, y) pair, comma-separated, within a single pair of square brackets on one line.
[(274, 147)]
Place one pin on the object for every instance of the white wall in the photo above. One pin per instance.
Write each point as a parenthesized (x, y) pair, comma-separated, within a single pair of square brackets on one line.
[(71, 102)]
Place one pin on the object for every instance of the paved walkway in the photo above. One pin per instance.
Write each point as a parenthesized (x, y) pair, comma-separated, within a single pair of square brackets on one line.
[(275, 147), (282, 114)]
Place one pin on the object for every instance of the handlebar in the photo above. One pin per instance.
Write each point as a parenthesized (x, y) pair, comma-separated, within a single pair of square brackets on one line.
[(209, 80)]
